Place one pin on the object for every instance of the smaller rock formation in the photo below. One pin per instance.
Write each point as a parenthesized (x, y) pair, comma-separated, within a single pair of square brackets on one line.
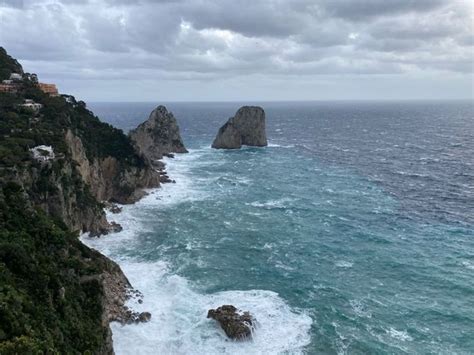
[(115, 209), (236, 325), (247, 127), (159, 135)]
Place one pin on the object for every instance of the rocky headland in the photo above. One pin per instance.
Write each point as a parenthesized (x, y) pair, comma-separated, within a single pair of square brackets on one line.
[(247, 127), (59, 165)]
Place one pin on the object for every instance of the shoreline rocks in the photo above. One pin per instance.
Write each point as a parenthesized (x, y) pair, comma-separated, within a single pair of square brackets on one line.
[(236, 324), (247, 127)]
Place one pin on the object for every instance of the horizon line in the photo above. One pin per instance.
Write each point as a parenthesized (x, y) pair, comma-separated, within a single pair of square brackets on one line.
[(285, 101)]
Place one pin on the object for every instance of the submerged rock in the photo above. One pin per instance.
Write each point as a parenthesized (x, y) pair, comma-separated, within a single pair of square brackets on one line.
[(115, 209), (247, 127), (159, 135), (236, 325), (115, 227)]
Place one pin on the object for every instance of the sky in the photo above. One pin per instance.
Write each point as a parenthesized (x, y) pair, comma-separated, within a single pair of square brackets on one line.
[(245, 50)]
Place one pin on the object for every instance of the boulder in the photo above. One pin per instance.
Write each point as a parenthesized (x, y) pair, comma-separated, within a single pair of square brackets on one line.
[(236, 324), (115, 209), (115, 227), (247, 127), (144, 317), (159, 135)]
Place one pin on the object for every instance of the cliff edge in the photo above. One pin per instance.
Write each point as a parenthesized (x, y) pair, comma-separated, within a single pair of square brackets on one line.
[(58, 164)]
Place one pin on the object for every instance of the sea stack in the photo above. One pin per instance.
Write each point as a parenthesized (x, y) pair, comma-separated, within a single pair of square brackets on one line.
[(159, 135), (247, 127)]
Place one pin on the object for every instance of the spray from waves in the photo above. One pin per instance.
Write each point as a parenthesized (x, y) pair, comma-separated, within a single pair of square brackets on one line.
[(179, 324), (276, 145), (272, 204)]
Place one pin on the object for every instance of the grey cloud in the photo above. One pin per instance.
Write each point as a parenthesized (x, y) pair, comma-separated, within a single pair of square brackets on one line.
[(12, 3), (218, 40), (360, 10)]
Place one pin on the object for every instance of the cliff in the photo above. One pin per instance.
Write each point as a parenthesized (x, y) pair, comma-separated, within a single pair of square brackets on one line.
[(57, 295), (93, 161), (159, 135), (247, 127), (108, 178), (58, 164)]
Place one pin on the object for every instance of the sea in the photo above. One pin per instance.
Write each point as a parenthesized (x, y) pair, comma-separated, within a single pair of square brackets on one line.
[(352, 232)]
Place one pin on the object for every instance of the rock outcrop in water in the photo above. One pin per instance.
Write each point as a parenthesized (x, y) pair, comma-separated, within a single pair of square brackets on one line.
[(247, 127), (235, 324), (159, 135)]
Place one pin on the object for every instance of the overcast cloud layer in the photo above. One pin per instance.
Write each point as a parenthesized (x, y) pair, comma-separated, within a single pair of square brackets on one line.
[(192, 50)]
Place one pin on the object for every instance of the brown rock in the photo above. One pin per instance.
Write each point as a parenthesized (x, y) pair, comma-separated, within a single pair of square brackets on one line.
[(236, 325), (159, 135), (247, 127), (144, 317)]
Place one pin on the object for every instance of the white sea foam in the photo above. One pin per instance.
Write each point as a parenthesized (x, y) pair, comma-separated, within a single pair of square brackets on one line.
[(275, 145), (360, 309), (399, 334), (468, 264), (344, 264), (179, 324), (272, 204)]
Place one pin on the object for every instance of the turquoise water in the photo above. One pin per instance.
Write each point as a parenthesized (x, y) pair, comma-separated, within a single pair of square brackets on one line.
[(351, 233)]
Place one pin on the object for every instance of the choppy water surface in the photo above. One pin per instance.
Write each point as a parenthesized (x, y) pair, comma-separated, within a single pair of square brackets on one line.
[(351, 233)]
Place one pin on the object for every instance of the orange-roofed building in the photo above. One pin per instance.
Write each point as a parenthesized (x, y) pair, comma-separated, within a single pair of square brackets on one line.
[(50, 89), (8, 88)]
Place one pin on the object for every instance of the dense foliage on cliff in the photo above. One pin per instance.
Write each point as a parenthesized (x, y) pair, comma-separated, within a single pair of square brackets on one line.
[(46, 303), (51, 296), (8, 65), (21, 129)]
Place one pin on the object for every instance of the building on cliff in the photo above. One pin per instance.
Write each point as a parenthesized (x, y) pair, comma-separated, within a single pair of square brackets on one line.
[(49, 89), (32, 105), (16, 76), (8, 87)]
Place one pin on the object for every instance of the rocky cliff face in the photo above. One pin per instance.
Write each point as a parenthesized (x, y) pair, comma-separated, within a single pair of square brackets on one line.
[(247, 127), (57, 165), (159, 135), (107, 178)]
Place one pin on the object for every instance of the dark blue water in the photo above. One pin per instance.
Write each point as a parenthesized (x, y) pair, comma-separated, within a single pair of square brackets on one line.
[(351, 233)]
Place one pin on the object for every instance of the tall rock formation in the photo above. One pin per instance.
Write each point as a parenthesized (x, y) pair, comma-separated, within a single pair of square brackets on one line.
[(247, 127), (159, 135)]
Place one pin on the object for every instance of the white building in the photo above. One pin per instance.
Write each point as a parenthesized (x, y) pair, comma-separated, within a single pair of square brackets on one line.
[(43, 152), (16, 76), (30, 104)]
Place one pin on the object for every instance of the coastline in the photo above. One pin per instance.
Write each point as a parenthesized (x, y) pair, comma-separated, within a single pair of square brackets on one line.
[(178, 306), (122, 299)]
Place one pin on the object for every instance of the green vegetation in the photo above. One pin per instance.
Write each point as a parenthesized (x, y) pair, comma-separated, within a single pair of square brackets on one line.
[(8, 65), (21, 129), (44, 306), (47, 302)]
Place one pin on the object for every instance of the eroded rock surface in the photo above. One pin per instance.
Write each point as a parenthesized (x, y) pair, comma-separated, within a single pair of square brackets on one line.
[(236, 324), (247, 127), (159, 135)]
